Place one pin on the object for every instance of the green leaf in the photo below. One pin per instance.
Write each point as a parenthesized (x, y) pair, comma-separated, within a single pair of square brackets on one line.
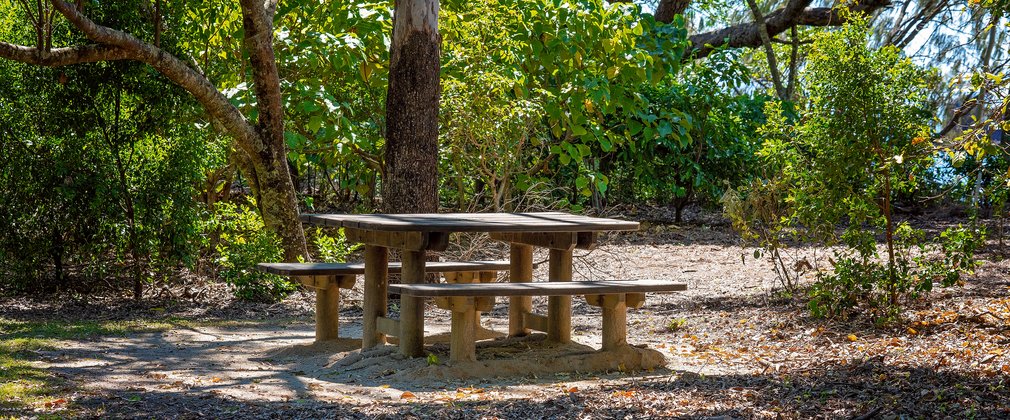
[(315, 122)]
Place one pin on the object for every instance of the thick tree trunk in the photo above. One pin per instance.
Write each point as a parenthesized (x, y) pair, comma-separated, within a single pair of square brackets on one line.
[(277, 198), (667, 9), (411, 183), (278, 205)]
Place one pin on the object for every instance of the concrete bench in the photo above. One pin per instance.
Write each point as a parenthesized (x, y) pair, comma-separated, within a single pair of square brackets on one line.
[(328, 278), (464, 299)]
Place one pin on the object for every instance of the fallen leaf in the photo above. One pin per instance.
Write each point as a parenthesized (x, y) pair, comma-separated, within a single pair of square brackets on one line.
[(215, 379), (852, 337), (912, 331), (575, 389), (406, 395), (55, 403)]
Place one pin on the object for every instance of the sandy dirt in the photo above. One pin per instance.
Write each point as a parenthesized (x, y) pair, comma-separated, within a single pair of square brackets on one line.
[(731, 347)]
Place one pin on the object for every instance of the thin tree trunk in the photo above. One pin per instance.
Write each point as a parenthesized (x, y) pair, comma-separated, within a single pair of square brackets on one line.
[(412, 102), (766, 41)]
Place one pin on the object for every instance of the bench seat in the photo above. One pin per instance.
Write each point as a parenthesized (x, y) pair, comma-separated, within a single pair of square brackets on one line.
[(328, 278), (614, 297), (560, 288)]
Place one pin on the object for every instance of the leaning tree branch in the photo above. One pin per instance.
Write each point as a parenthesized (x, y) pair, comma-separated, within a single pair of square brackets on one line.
[(58, 57), (795, 12), (117, 45)]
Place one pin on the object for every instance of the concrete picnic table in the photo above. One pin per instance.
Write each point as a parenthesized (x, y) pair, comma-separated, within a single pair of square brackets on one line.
[(415, 234)]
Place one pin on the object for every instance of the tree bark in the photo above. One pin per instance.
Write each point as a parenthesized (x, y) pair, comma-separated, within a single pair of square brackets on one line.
[(412, 102), (667, 9), (263, 143)]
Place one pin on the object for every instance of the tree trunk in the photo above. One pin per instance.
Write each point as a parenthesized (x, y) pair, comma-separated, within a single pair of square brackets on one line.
[(277, 198), (667, 9), (279, 206), (411, 183)]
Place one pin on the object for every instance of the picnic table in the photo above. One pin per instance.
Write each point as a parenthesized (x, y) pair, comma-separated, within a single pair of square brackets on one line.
[(416, 234)]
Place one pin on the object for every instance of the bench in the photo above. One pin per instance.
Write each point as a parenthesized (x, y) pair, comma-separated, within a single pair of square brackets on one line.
[(614, 297), (327, 278)]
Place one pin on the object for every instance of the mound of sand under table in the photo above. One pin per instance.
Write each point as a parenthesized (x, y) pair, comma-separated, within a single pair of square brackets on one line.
[(532, 356)]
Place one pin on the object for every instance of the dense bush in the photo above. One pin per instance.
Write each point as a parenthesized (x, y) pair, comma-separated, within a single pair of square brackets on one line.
[(96, 176), (862, 140), (717, 147)]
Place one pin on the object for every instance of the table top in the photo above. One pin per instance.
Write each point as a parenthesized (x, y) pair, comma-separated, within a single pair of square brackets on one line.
[(471, 222)]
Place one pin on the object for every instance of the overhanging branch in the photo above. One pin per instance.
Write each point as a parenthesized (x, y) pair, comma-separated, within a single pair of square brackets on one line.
[(112, 44), (58, 57), (795, 12)]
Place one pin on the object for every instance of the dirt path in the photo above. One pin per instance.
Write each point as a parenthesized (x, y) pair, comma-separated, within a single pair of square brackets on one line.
[(732, 350)]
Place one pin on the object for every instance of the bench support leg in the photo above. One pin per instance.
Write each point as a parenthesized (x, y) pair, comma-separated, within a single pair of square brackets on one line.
[(327, 312), (615, 321), (559, 308), (374, 306), (463, 335), (520, 270), (412, 307)]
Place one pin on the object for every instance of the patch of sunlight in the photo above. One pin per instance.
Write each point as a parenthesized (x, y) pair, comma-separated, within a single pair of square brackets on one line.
[(10, 329), (24, 386)]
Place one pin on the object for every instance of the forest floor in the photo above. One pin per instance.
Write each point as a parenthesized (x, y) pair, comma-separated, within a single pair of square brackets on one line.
[(734, 345)]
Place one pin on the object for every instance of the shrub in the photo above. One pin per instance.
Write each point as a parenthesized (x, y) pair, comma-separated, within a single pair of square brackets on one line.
[(243, 242), (870, 284), (333, 248)]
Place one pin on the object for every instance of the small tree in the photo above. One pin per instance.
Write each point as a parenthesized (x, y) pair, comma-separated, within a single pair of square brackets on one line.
[(863, 138)]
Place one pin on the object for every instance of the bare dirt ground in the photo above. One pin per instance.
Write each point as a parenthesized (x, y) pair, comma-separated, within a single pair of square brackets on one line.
[(733, 348)]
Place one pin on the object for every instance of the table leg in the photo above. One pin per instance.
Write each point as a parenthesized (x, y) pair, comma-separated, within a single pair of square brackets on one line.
[(462, 344), (559, 308), (520, 270), (412, 307), (376, 270), (615, 321), (327, 311)]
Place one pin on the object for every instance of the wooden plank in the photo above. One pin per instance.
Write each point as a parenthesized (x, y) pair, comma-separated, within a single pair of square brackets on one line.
[(472, 222), (484, 303), (615, 322), (337, 269), (520, 270), (634, 300), (388, 326), (587, 240), (551, 240), (414, 241), (559, 307), (374, 305), (412, 307), (539, 288), (535, 321), (327, 312), (307, 281)]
